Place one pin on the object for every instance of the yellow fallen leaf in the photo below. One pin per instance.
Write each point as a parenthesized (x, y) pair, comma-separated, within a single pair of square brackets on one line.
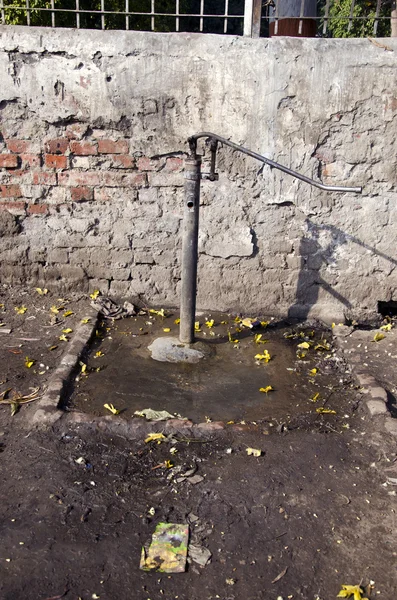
[(177, 321), (85, 320), (166, 329), (378, 337), (325, 411), (21, 310), (333, 325), (315, 397), (63, 338), (2, 324), (53, 347), (210, 323), (250, 323), (224, 322), (253, 452), (15, 406), (41, 292), (387, 327), (83, 367), (112, 409), (258, 339), (265, 356), (197, 326), (169, 464), (301, 354), (95, 294), (323, 346), (98, 354), (160, 312), (155, 437), (29, 362), (264, 323), (313, 371), (231, 339), (237, 319), (266, 389), (68, 313), (55, 309), (348, 591), (68, 330), (304, 345)]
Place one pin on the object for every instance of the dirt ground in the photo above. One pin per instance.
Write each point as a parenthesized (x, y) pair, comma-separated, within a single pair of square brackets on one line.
[(316, 510)]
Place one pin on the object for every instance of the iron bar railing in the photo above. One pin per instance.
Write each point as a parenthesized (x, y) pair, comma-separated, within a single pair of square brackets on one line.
[(252, 18)]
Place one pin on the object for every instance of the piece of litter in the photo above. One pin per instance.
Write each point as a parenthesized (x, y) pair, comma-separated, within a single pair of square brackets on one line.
[(253, 452), (157, 415), (199, 554), (230, 581), (167, 552), (80, 461)]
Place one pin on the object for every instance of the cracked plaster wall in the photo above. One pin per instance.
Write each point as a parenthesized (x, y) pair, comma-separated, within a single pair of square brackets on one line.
[(83, 206)]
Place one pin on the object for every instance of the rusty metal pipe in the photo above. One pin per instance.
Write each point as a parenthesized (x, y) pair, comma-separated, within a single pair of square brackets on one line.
[(328, 188), (190, 249)]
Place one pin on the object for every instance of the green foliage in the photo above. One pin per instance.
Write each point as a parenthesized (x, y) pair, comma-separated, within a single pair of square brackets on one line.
[(363, 19), (93, 20)]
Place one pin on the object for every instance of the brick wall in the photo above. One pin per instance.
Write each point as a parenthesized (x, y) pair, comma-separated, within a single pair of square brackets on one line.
[(83, 206)]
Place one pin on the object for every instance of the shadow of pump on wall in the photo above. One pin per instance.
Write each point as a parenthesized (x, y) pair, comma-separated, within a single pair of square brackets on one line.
[(314, 254)]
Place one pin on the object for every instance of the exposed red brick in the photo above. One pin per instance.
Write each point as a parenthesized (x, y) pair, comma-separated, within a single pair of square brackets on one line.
[(174, 164), (37, 209), (79, 194), (112, 147), (83, 148), (13, 207), (17, 173), (77, 178), (18, 146), (76, 131), (55, 161), (102, 194), (31, 160), (10, 191), (145, 164), (124, 161), (114, 179), (8, 160), (44, 178), (57, 146)]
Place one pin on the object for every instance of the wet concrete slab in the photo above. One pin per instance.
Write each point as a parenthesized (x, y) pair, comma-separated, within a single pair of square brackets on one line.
[(225, 384)]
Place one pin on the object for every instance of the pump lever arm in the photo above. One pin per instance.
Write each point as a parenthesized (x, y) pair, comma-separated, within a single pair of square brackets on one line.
[(213, 138)]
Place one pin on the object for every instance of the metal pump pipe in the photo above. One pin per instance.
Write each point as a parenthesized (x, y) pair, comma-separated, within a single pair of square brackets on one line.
[(190, 249), (193, 177)]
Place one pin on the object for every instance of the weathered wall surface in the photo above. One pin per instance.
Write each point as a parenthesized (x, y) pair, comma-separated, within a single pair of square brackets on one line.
[(83, 205)]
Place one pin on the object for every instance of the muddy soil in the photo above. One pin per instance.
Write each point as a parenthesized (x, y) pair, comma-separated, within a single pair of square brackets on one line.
[(315, 511), (31, 325), (77, 507), (224, 385)]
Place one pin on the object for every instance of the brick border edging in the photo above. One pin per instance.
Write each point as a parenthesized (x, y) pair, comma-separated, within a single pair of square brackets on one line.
[(376, 402), (48, 409), (138, 428)]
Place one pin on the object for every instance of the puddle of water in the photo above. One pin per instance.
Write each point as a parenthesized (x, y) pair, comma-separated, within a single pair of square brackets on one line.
[(222, 386)]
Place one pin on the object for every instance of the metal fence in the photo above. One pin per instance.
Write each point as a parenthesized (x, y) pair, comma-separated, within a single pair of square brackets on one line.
[(254, 18)]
